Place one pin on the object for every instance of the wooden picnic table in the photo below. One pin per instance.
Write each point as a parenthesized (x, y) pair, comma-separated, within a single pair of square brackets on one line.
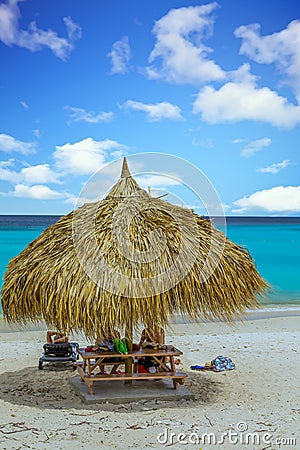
[(89, 370)]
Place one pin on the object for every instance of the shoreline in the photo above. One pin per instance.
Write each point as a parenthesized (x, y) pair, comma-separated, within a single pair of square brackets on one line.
[(271, 311)]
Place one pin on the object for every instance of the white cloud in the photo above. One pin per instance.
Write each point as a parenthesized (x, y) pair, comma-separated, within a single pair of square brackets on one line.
[(81, 115), (275, 168), (9, 144), (156, 111), (204, 143), (34, 38), (6, 174), (242, 99), (255, 146), (282, 48), (24, 104), (86, 156), (277, 199), (73, 29), (36, 133), (237, 141), (120, 56), (9, 16), (179, 56), (9, 163), (41, 173), (38, 192)]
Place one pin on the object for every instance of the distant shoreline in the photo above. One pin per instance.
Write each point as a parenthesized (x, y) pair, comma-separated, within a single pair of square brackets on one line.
[(268, 312)]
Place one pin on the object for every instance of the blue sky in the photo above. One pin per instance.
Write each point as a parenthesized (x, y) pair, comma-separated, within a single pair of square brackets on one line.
[(85, 83)]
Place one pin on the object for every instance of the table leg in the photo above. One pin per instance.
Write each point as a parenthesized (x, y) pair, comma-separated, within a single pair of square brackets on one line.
[(175, 384), (128, 369), (135, 365), (81, 373), (90, 386)]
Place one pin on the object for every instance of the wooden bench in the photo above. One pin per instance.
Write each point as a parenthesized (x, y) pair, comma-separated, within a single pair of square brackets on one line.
[(177, 377)]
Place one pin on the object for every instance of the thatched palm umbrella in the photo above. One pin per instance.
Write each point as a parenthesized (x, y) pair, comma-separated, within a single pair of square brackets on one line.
[(128, 260)]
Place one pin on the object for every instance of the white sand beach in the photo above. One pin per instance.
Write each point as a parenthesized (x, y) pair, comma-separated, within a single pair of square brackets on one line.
[(39, 409)]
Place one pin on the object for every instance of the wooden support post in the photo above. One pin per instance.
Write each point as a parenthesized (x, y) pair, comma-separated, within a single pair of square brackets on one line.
[(128, 361)]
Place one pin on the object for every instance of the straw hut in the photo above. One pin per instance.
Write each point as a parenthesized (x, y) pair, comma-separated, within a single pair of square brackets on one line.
[(128, 260)]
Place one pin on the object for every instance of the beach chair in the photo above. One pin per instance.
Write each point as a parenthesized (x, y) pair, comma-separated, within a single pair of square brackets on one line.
[(62, 353)]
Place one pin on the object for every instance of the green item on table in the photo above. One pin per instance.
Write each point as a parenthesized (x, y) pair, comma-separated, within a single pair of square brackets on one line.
[(120, 346)]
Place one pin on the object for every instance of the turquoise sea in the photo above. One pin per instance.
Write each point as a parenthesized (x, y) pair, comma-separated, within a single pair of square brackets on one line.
[(274, 243)]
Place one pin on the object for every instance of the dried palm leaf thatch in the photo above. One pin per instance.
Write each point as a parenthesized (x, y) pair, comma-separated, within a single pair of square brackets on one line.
[(126, 260)]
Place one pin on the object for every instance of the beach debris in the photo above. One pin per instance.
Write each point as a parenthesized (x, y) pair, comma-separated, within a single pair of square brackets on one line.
[(16, 427), (136, 426), (263, 423), (209, 421)]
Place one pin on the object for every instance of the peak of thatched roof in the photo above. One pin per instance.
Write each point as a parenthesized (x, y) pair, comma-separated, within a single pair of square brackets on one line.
[(126, 186), (125, 170)]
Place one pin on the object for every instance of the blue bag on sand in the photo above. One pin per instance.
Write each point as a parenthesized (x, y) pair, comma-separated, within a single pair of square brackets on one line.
[(197, 367)]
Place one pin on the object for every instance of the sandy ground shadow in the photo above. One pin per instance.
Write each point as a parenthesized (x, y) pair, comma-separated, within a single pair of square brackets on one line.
[(50, 388)]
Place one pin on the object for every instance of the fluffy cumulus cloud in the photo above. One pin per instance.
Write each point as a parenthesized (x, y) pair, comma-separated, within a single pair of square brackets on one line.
[(86, 156), (120, 56), (282, 49), (275, 168), (179, 55), (279, 199), (255, 146), (38, 192), (41, 173), (34, 38), (241, 99), (81, 115), (30, 181), (9, 144), (6, 173), (156, 111)]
